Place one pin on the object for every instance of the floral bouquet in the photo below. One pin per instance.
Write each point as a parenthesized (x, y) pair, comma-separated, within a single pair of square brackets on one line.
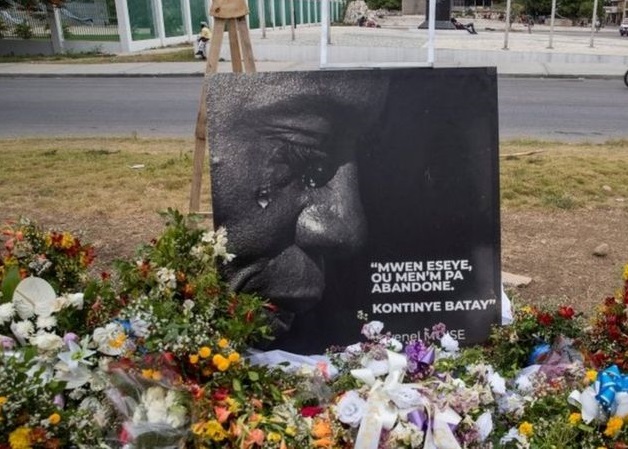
[(155, 354)]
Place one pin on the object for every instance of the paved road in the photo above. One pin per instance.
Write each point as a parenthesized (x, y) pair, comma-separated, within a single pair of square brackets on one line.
[(558, 109)]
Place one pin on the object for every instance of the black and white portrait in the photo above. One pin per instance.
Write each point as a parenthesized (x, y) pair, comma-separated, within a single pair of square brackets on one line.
[(360, 193)]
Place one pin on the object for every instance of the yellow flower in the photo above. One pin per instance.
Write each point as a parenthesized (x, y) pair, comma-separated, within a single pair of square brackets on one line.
[(625, 276), (234, 357), (214, 430), (3, 400), (291, 431), (613, 426), (234, 406), (118, 341), (273, 437), (591, 375), (221, 363), (526, 429), (151, 374), (204, 352), (20, 438), (54, 419), (193, 359), (526, 309), (223, 343), (67, 240), (574, 418)]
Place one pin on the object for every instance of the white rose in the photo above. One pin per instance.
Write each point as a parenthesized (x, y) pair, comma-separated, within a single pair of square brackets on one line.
[(45, 341), (6, 312), (448, 343), (76, 300), (46, 322), (372, 329), (405, 397), (350, 408)]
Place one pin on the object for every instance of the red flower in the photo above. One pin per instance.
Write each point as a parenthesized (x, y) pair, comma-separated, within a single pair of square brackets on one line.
[(614, 332), (220, 394), (311, 411), (545, 319), (566, 312)]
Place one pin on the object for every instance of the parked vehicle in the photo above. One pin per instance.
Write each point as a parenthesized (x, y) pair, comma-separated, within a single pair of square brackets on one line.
[(626, 79), (623, 28)]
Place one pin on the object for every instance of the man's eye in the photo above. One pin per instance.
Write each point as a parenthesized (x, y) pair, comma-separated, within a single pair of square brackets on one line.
[(316, 175), (310, 166)]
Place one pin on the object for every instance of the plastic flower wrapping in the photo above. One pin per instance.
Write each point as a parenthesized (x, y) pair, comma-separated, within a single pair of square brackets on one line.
[(156, 353)]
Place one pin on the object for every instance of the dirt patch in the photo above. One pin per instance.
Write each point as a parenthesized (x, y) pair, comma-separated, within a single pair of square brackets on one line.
[(555, 249)]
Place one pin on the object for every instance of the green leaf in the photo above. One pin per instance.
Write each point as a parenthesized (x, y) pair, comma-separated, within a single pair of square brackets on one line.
[(254, 376), (237, 386), (9, 283), (29, 353)]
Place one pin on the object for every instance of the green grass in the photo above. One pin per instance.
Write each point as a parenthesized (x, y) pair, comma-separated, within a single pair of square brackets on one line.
[(564, 176), (85, 174)]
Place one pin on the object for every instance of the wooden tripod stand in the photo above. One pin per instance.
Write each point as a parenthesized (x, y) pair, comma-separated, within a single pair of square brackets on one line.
[(229, 14)]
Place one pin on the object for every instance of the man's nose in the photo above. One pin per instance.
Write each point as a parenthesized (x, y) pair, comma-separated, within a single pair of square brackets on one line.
[(334, 220)]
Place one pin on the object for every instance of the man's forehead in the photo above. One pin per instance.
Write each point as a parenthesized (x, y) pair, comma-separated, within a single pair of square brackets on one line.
[(293, 92)]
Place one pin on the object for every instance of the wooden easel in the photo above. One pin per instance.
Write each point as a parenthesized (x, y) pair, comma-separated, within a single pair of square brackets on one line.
[(230, 14)]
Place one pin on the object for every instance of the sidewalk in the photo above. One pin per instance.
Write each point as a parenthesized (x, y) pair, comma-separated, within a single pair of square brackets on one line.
[(397, 43)]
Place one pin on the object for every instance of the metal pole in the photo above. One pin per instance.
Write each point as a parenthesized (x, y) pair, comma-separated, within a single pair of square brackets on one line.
[(292, 19), (593, 20), (507, 25), (324, 30), (262, 17), (551, 36), (431, 31), (328, 8)]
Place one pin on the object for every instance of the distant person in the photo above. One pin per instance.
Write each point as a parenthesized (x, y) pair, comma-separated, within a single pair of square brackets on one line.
[(460, 26), (203, 38), (529, 24)]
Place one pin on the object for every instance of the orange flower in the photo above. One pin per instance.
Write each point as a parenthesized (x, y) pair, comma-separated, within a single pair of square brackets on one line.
[(221, 362), (323, 442), (222, 414), (321, 428), (255, 437)]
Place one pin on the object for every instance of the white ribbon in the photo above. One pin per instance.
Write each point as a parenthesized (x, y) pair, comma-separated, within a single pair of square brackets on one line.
[(389, 399), (380, 413)]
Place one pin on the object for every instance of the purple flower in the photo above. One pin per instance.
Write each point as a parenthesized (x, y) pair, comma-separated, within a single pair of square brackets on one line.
[(6, 342), (420, 358), (70, 336)]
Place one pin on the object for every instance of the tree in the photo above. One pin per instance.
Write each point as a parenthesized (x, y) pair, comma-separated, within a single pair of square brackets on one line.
[(579, 9), (537, 8), (384, 4)]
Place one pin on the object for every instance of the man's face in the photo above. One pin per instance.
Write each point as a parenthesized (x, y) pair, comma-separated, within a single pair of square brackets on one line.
[(284, 178)]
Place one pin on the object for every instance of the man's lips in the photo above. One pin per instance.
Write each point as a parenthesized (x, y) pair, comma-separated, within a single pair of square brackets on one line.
[(292, 280)]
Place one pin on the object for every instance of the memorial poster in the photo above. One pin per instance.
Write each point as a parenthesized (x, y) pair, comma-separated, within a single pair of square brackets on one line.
[(360, 195)]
